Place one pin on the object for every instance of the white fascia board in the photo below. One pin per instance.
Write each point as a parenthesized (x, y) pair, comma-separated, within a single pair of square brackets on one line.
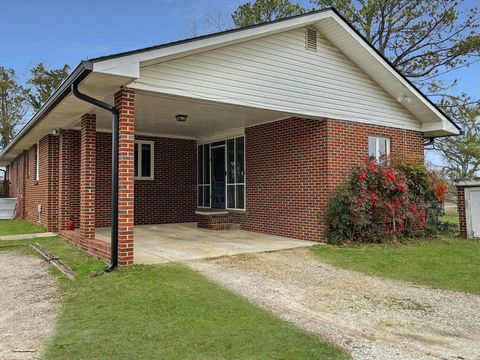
[(439, 128), (391, 70), (129, 65)]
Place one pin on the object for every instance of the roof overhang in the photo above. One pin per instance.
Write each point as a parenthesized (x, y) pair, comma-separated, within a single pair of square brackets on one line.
[(102, 76)]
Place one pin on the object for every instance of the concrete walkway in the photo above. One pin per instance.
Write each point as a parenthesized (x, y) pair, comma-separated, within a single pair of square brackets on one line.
[(27, 236), (155, 244)]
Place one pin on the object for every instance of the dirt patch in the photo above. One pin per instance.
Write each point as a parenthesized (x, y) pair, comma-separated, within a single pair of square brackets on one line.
[(372, 318), (29, 305)]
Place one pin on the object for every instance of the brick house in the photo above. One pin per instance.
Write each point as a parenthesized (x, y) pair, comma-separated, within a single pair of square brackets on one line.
[(254, 127)]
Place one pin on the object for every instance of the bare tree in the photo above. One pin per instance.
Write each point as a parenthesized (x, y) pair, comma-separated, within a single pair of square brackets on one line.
[(423, 39), (216, 21)]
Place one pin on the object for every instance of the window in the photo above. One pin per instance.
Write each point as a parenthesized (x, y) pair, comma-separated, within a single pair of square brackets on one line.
[(143, 160), (378, 148), (236, 173), (203, 163), (37, 162)]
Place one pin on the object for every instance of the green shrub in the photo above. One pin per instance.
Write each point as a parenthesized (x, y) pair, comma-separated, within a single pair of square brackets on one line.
[(380, 202)]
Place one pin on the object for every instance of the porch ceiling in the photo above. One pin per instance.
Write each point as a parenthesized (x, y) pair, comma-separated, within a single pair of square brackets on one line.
[(155, 115)]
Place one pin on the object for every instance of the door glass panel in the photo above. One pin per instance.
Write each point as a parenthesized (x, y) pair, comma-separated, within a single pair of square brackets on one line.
[(206, 196), (240, 160), (240, 196), (206, 164), (231, 196), (200, 196), (230, 161), (146, 160), (200, 164), (135, 160)]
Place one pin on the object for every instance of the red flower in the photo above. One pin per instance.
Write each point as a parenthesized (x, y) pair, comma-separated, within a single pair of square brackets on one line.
[(372, 166), (373, 198), (440, 191), (402, 188), (413, 208), (362, 176), (422, 215), (390, 208), (398, 203), (389, 176)]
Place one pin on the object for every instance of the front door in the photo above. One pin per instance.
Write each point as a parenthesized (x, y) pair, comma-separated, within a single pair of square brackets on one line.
[(218, 177)]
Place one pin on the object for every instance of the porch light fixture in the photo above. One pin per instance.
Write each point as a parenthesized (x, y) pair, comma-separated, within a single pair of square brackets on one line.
[(181, 118)]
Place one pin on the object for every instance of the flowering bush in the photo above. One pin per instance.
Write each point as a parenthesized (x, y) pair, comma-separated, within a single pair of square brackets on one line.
[(380, 202)]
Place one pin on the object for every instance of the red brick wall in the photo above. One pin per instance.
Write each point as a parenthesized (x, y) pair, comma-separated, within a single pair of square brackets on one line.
[(292, 168), (69, 177), (32, 193), (294, 165), (462, 215), (103, 175), (169, 198)]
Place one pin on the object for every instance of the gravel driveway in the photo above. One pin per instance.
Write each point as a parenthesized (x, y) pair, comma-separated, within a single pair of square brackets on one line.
[(29, 304), (372, 318)]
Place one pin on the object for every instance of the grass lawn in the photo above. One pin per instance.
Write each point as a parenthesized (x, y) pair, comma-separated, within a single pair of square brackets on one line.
[(14, 227), (164, 312), (450, 263)]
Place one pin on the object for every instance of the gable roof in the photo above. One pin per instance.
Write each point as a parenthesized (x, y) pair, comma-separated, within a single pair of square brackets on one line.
[(125, 66)]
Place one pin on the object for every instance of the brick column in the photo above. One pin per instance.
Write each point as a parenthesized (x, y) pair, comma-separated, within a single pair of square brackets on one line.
[(125, 104), (87, 177), (66, 149), (52, 184)]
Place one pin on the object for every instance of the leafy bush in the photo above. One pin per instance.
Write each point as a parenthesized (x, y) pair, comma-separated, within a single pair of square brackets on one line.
[(380, 202)]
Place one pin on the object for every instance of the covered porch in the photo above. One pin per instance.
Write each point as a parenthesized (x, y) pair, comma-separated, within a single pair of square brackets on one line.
[(180, 158), (161, 243)]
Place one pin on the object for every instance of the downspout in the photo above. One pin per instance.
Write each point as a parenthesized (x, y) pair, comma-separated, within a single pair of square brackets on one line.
[(115, 145)]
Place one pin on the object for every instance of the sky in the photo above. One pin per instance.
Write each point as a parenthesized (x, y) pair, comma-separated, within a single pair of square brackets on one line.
[(61, 32)]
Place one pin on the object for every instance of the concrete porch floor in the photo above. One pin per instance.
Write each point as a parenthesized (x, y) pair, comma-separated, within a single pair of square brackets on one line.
[(155, 244)]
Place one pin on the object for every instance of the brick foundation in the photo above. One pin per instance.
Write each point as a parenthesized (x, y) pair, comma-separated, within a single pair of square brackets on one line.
[(96, 248)]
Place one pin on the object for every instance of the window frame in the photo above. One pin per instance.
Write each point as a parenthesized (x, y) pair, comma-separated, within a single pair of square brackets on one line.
[(244, 183), (139, 144), (377, 146), (209, 184), (235, 183)]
